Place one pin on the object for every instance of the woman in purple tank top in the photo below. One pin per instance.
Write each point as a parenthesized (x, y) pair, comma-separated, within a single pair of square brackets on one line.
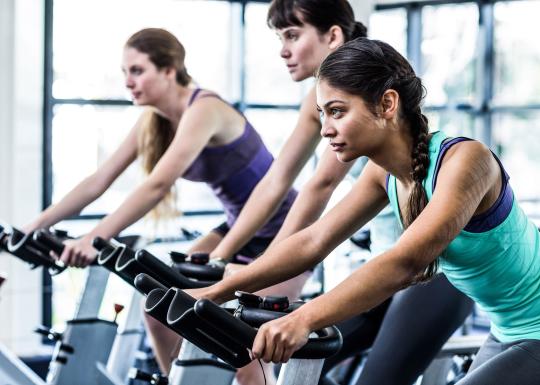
[(183, 132)]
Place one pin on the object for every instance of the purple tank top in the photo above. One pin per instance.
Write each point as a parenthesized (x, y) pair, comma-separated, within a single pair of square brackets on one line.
[(233, 170)]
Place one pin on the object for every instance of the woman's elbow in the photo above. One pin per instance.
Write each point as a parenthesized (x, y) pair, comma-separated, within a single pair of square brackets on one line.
[(159, 188)]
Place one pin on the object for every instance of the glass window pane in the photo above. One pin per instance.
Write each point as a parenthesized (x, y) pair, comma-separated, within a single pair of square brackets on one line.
[(517, 52), (449, 46), (275, 126), (267, 79), (391, 27), (87, 59), (83, 138), (89, 135), (516, 140), (453, 123), (196, 196)]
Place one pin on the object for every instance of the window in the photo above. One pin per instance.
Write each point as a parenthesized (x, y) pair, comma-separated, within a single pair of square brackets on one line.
[(88, 112)]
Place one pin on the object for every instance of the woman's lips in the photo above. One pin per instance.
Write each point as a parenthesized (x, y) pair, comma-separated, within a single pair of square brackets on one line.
[(337, 146)]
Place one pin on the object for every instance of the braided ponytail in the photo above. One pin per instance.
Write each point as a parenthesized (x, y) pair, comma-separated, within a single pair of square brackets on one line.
[(368, 68), (420, 163)]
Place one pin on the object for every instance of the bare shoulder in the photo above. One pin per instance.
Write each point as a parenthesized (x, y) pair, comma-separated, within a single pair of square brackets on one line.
[(308, 109), (210, 108), (470, 155), (376, 174)]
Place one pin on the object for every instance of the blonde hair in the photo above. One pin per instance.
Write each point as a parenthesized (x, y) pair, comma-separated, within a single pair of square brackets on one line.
[(155, 136), (156, 133)]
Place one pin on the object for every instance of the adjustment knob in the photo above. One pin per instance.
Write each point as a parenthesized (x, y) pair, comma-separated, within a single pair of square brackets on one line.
[(177, 257), (248, 299), (199, 258), (275, 303)]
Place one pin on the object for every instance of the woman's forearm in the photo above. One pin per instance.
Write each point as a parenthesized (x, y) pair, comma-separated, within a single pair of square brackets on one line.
[(367, 287), (72, 204), (140, 202), (291, 257), (263, 203), (307, 208)]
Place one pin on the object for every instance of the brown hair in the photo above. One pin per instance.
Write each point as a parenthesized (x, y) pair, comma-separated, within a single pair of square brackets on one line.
[(322, 14), (368, 68), (156, 134)]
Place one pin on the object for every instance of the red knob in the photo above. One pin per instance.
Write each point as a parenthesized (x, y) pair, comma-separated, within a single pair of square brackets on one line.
[(118, 308)]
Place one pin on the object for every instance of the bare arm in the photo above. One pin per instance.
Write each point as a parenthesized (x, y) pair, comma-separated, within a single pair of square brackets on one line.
[(462, 184), (93, 186), (272, 189), (306, 248), (198, 125), (314, 196)]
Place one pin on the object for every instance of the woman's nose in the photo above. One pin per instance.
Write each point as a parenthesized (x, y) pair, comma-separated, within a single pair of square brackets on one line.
[(285, 53), (327, 131)]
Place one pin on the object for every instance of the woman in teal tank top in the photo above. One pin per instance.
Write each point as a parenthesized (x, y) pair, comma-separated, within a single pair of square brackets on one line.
[(453, 200)]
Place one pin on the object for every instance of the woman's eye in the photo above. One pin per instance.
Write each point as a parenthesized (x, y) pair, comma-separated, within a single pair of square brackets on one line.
[(291, 36), (336, 113), (321, 114)]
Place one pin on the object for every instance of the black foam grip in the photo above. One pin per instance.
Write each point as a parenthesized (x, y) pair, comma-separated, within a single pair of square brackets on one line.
[(164, 273), (206, 272), (327, 343), (145, 284), (48, 240), (99, 244)]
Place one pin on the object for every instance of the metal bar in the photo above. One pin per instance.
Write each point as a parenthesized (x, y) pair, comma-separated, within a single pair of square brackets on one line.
[(414, 37), (46, 196), (98, 102)]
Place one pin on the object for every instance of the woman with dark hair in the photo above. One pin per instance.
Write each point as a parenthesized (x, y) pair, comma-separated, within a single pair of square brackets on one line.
[(418, 320), (451, 196), (184, 132)]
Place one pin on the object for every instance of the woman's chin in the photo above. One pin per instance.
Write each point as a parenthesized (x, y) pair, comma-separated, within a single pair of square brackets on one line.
[(345, 157)]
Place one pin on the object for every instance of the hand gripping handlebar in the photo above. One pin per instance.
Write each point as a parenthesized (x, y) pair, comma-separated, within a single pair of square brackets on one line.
[(216, 330)]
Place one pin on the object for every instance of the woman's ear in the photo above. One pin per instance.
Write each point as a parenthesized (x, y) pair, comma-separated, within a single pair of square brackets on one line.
[(335, 37), (389, 104), (170, 72)]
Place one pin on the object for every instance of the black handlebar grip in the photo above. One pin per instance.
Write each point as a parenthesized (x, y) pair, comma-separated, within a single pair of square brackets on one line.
[(207, 272), (145, 283), (327, 343), (49, 240), (234, 327), (99, 243), (168, 276)]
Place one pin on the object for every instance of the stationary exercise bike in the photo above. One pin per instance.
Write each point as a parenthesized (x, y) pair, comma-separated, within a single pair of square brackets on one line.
[(228, 333), (72, 354), (127, 264)]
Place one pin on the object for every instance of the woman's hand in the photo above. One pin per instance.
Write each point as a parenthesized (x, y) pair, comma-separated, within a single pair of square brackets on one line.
[(231, 268), (277, 340), (78, 252), (204, 292)]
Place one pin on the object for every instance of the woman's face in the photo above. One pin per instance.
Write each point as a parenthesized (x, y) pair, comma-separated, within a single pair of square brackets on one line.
[(142, 78), (353, 130), (303, 49)]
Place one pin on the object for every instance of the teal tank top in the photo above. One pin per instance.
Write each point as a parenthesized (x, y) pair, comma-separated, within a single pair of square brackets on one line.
[(499, 268)]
